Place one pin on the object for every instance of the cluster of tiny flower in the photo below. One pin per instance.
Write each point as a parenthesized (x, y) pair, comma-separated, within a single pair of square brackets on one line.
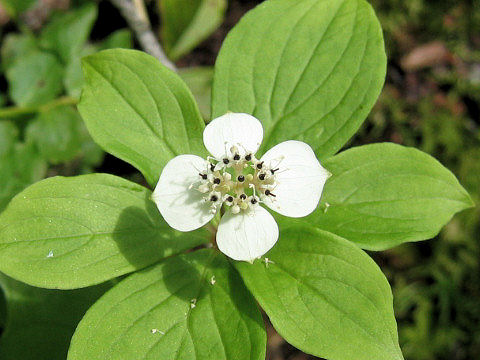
[(238, 181), (287, 178)]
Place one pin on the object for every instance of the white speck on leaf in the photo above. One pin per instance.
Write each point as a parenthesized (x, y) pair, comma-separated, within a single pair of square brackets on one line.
[(327, 205), (267, 261), (156, 331), (193, 303), (212, 280), (50, 254)]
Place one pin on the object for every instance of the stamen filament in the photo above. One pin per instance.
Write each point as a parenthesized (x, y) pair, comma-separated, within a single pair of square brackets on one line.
[(228, 180)]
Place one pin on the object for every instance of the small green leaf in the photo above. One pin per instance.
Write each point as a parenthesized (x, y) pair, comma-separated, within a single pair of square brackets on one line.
[(16, 7), (16, 46), (28, 165), (35, 79), (74, 232), (67, 33), (8, 137), (20, 165), (55, 133), (91, 154), (325, 296), (40, 323), (382, 195), (118, 39), (310, 70), (73, 73), (186, 23), (138, 110), (199, 80), (73, 79), (189, 307)]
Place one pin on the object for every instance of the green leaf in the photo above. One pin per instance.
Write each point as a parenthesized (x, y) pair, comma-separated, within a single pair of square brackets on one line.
[(309, 70), (186, 23), (73, 79), (199, 80), (28, 165), (118, 39), (55, 133), (193, 306), (35, 79), (16, 7), (73, 73), (67, 33), (20, 165), (325, 296), (16, 46), (138, 110), (74, 232), (8, 137), (41, 322), (91, 154), (382, 195)]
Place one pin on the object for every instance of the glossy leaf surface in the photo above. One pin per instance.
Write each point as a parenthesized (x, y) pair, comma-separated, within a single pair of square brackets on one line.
[(325, 296), (138, 110), (382, 195), (310, 70), (192, 306), (75, 232)]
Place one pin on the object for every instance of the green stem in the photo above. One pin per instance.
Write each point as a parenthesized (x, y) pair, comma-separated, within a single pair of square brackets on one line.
[(17, 111)]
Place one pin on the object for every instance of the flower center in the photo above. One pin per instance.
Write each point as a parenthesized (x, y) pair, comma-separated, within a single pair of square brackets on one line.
[(238, 181)]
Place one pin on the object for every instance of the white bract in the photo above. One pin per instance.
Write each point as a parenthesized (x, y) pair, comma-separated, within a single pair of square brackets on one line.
[(288, 178)]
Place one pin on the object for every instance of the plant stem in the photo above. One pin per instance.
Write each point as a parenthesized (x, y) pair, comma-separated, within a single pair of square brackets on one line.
[(136, 16), (17, 111), (212, 229)]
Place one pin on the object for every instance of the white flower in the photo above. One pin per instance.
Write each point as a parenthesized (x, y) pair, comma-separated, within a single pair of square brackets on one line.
[(288, 179)]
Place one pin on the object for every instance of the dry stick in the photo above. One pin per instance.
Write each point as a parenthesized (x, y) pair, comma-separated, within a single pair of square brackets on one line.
[(135, 14), (141, 10)]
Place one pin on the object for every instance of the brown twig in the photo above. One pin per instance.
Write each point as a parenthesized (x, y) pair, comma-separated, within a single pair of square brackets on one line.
[(136, 16)]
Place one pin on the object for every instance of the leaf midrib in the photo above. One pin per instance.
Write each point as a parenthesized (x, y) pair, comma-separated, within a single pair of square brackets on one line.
[(368, 333)]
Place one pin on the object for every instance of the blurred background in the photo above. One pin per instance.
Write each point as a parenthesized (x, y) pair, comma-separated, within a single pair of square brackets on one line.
[(431, 100)]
